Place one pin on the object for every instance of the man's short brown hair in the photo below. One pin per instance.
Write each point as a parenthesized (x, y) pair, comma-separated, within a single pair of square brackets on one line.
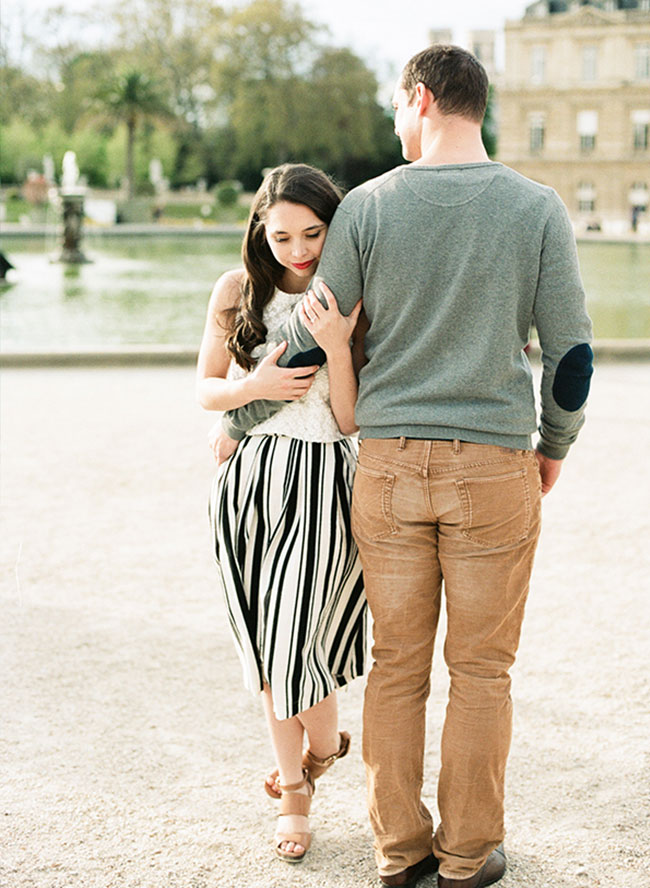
[(455, 77)]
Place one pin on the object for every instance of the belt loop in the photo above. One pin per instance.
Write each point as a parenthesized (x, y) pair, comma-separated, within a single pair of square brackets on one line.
[(426, 458), (456, 446), (402, 443)]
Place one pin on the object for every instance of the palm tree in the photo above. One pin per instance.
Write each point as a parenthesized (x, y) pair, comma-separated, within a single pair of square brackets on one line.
[(130, 98)]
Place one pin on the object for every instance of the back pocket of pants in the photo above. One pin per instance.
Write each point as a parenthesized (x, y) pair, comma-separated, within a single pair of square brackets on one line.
[(496, 510), (372, 513)]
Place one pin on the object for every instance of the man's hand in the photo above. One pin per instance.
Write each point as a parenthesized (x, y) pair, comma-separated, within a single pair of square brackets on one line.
[(221, 445), (549, 469)]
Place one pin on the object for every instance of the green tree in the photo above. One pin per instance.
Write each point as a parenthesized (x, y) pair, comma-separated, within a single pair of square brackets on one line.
[(178, 38), (266, 54), (267, 40), (131, 98), (20, 150), (151, 141), (241, 90), (77, 78), (287, 98), (24, 96), (345, 128)]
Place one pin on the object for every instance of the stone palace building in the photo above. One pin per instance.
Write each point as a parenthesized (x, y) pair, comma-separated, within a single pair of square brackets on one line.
[(574, 107)]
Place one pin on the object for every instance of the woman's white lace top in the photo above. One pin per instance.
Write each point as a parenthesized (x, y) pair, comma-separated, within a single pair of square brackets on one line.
[(310, 418)]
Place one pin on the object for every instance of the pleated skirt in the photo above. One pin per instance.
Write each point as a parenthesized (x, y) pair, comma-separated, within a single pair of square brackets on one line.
[(289, 566)]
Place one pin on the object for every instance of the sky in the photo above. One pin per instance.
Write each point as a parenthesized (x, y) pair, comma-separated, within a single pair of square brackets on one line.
[(389, 33), (385, 34)]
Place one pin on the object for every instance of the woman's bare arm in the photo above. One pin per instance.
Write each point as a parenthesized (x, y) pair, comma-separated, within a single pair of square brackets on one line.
[(268, 381), (333, 332)]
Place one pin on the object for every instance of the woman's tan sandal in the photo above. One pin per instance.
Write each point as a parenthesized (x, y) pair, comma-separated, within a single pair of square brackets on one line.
[(317, 766), (314, 765), (292, 801)]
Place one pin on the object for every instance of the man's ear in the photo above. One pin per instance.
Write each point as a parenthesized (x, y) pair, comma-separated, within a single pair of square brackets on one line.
[(424, 98)]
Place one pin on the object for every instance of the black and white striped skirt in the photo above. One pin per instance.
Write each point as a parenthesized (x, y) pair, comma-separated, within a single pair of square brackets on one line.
[(280, 516)]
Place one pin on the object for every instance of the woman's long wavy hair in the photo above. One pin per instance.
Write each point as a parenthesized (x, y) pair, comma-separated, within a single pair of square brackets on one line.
[(295, 183)]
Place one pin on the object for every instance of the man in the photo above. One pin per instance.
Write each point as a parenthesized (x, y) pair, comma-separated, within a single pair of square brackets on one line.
[(455, 257)]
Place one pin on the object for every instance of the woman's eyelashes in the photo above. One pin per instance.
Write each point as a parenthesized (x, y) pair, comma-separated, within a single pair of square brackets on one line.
[(283, 240)]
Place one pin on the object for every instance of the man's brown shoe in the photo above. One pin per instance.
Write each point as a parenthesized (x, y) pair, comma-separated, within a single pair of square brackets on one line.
[(409, 877), (492, 870)]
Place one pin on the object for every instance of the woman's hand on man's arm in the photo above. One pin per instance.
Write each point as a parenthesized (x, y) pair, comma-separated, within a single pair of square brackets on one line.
[(331, 329)]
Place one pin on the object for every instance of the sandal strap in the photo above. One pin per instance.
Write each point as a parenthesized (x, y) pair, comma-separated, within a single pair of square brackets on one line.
[(313, 765), (292, 787), (298, 838), (318, 766), (294, 803)]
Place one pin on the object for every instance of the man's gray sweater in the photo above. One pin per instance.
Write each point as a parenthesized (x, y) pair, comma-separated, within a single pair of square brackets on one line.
[(455, 263)]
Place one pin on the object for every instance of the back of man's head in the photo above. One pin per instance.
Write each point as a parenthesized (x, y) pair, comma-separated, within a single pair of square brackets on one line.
[(456, 78)]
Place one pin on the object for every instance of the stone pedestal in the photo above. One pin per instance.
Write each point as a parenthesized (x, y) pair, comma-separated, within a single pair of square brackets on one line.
[(73, 220)]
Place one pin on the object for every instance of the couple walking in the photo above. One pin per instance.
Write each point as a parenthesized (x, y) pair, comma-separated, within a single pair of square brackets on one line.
[(429, 282)]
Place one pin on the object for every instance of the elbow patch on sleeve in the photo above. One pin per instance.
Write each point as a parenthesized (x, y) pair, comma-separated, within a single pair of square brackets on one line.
[(572, 377), (307, 358)]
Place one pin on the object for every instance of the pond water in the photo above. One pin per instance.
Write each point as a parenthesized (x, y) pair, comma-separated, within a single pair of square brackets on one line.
[(154, 290)]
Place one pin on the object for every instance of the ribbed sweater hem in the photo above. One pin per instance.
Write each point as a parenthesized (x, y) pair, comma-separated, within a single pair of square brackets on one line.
[(446, 433)]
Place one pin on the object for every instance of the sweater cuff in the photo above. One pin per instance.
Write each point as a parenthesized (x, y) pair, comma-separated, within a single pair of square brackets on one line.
[(231, 430), (552, 450)]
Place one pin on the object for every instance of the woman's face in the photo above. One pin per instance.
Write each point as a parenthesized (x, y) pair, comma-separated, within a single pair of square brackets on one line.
[(296, 236)]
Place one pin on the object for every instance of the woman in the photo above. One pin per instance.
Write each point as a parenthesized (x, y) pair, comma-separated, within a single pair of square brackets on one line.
[(280, 506)]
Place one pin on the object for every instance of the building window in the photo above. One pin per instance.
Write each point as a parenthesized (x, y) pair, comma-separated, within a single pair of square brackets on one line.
[(641, 141), (536, 133), (586, 197), (638, 198), (642, 57), (587, 143), (641, 130), (587, 130), (589, 63), (538, 64)]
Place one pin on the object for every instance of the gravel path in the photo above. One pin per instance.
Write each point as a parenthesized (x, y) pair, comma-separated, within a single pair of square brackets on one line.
[(132, 758)]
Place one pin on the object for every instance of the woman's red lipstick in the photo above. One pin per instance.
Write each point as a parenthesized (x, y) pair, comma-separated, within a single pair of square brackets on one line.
[(302, 265)]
